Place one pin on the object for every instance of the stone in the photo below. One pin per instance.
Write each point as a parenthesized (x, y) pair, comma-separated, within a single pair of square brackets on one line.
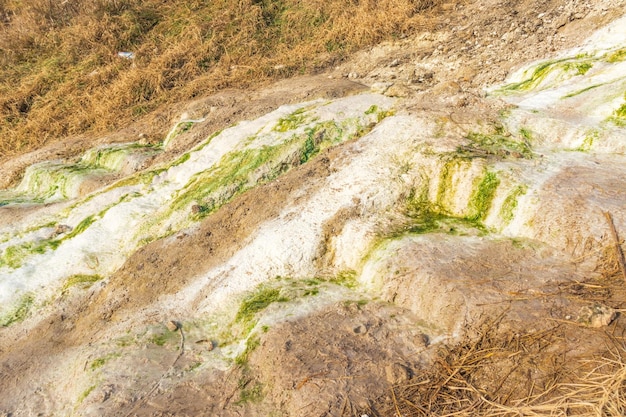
[(380, 88), (398, 90), (172, 325), (61, 229), (360, 329), (596, 315)]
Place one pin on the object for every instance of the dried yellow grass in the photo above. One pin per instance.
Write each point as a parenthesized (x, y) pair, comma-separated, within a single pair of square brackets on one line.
[(60, 74), (515, 375)]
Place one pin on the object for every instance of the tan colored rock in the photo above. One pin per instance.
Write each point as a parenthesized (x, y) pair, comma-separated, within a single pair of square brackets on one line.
[(172, 325), (398, 90), (596, 315)]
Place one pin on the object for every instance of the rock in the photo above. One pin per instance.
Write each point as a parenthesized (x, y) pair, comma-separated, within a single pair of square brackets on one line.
[(360, 329), (596, 315), (210, 345), (172, 325), (105, 393), (61, 229), (143, 139), (380, 88), (446, 88), (398, 90)]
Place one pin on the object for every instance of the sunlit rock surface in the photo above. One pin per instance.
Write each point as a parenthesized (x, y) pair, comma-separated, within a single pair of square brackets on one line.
[(371, 204)]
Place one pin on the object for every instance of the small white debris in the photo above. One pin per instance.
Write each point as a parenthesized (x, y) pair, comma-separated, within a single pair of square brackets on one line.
[(126, 55)]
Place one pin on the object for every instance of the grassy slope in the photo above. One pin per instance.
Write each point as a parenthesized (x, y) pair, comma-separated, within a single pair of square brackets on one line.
[(60, 73)]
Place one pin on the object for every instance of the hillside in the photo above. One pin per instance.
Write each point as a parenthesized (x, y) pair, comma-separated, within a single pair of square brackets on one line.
[(339, 217)]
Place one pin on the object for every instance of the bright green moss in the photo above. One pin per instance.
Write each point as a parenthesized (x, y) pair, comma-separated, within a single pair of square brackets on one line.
[(258, 301), (538, 75)]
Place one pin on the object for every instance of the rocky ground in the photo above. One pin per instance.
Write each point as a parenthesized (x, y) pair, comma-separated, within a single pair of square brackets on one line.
[(381, 276)]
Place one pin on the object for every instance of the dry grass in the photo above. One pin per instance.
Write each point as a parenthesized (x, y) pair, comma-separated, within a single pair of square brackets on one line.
[(60, 74), (525, 375)]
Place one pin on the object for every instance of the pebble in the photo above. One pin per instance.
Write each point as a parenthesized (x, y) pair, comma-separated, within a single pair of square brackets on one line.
[(596, 315), (380, 88), (360, 329), (172, 325)]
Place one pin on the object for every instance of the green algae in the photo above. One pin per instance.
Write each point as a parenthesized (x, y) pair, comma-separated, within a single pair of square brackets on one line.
[(19, 312), (258, 301), (507, 210), (583, 90), (80, 280), (293, 120), (591, 137), (345, 278), (616, 56), (100, 362), (445, 191), (14, 256), (249, 394), (498, 144), (86, 393), (538, 75), (240, 170), (111, 158), (577, 66), (619, 115), (59, 181), (380, 114), (483, 195), (580, 68)]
